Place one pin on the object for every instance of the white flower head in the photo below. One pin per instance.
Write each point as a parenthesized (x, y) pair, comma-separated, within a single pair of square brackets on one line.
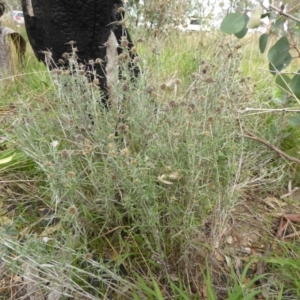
[(46, 239), (54, 144)]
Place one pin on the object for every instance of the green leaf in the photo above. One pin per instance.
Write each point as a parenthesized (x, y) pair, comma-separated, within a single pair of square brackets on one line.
[(280, 101), (263, 40), (294, 120), (233, 23), (282, 80), (272, 16), (159, 295), (278, 54), (179, 289), (279, 21), (265, 15), (295, 84), (135, 296), (244, 31), (280, 97), (275, 69)]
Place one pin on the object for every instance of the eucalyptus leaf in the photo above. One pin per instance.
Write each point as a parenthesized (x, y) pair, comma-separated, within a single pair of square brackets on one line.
[(282, 80), (244, 31), (294, 120), (295, 84), (279, 56), (263, 40), (279, 21), (265, 15), (279, 51), (233, 23)]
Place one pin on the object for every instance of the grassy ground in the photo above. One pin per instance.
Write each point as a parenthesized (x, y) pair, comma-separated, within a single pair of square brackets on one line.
[(179, 205)]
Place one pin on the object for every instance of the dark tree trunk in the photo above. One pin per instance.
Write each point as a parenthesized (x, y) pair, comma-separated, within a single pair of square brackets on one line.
[(52, 24)]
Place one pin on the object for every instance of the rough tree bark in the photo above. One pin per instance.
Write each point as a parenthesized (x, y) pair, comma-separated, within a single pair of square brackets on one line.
[(91, 24)]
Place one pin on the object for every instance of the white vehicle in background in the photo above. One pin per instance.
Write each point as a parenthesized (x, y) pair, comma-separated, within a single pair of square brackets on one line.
[(18, 17), (13, 16), (195, 24)]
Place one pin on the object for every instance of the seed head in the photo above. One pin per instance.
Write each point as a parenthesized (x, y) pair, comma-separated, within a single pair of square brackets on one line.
[(125, 87), (72, 210), (66, 55), (98, 61), (149, 89), (121, 9), (166, 108), (71, 42), (79, 138), (204, 70), (88, 256), (71, 174), (65, 153), (123, 56), (48, 163), (173, 104), (122, 127), (133, 50), (124, 41), (85, 96), (209, 80), (125, 151), (163, 86), (191, 107), (96, 81), (122, 22)]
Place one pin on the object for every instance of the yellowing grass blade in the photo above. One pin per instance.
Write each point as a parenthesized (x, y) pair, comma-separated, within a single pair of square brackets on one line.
[(6, 159)]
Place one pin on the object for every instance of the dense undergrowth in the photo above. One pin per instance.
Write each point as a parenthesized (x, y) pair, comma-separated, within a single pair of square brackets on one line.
[(140, 202)]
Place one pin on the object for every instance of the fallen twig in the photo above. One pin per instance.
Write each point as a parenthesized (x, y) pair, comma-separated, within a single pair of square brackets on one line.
[(261, 110), (295, 234), (272, 147), (285, 220)]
